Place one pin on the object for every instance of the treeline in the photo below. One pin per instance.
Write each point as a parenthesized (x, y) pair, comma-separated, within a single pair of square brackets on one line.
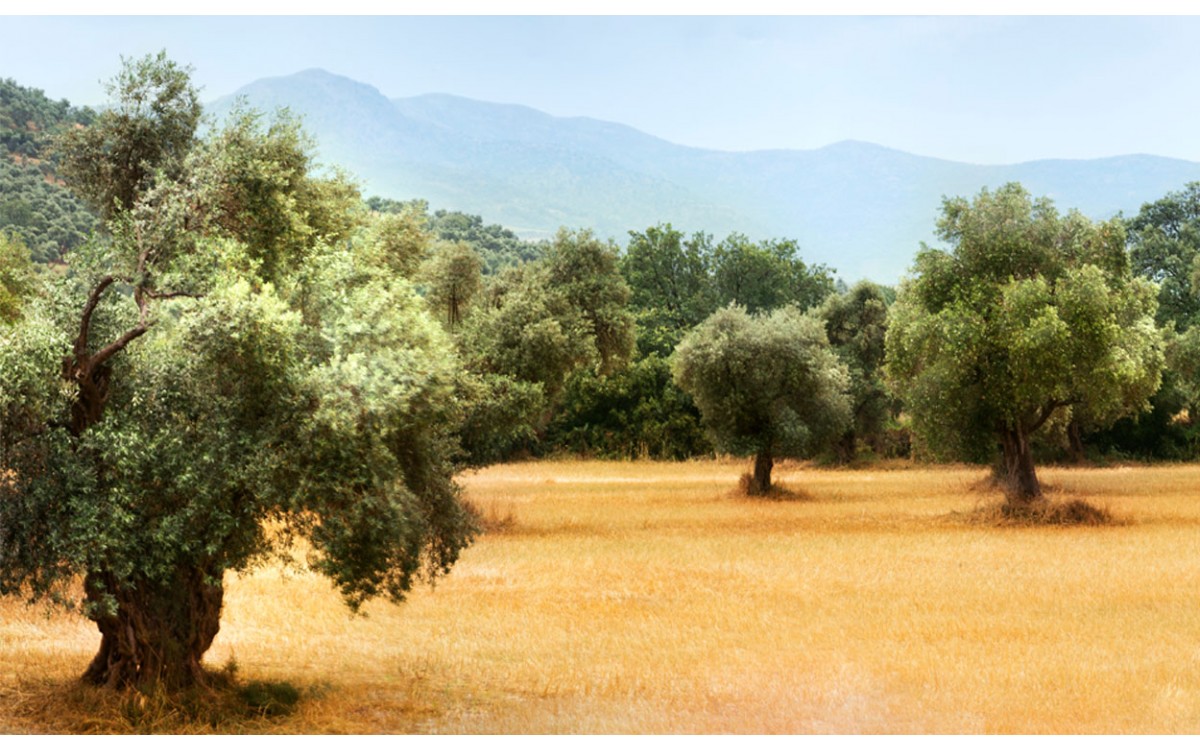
[(570, 339), (576, 393), (510, 307)]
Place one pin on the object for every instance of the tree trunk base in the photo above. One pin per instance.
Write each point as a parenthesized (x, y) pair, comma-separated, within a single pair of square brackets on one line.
[(1021, 485), (759, 483), (1075, 443), (154, 636)]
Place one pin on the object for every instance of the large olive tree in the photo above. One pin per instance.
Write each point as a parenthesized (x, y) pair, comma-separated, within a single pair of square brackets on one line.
[(221, 373), (1028, 315), (766, 385)]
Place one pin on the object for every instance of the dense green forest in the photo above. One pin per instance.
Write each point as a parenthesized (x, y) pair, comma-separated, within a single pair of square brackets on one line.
[(34, 205)]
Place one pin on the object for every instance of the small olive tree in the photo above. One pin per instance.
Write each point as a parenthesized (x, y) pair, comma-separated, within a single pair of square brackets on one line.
[(766, 385), (452, 280), (1028, 315)]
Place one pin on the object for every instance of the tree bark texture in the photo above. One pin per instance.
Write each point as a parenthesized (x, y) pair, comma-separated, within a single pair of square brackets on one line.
[(156, 635), (1020, 479), (760, 482)]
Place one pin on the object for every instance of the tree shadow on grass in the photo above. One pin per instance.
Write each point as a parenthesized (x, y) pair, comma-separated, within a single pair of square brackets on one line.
[(224, 706), (778, 492), (1044, 511)]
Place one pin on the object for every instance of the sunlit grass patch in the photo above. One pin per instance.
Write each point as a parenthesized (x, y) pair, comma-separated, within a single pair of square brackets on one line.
[(649, 597)]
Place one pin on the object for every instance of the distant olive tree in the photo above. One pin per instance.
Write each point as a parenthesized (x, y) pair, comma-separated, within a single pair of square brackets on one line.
[(453, 279), (766, 385)]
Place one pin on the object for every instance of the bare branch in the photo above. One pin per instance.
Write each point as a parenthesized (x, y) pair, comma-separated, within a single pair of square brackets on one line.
[(119, 344), (85, 321)]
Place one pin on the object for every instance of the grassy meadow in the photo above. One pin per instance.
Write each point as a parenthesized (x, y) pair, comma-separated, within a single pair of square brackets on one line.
[(652, 597)]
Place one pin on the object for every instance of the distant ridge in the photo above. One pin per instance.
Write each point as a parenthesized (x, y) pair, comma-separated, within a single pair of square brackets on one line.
[(858, 207)]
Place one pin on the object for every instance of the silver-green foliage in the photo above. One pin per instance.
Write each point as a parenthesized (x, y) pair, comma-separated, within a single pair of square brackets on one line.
[(765, 384)]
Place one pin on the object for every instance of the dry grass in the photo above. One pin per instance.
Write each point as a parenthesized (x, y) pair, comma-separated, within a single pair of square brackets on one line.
[(642, 597)]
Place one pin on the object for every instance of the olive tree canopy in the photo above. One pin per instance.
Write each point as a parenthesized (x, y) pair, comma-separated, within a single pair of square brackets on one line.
[(220, 373), (1029, 314), (766, 385)]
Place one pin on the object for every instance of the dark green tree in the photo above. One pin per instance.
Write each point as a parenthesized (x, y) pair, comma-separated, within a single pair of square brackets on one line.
[(1164, 246), (670, 282), (635, 412), (1164, 241), (856, 323), (536, 324), (766, 275)]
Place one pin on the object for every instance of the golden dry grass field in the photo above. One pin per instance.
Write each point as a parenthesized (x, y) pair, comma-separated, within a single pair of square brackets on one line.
[(647, 597)]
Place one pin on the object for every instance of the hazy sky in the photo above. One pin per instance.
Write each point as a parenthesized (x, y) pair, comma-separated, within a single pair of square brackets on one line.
[(977, 89)]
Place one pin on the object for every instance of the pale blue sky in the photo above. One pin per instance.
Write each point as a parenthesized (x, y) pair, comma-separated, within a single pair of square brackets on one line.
[(984, 89)]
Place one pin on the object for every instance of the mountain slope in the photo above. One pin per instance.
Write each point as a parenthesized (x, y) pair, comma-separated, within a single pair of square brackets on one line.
[(34, 206), (860, 208)]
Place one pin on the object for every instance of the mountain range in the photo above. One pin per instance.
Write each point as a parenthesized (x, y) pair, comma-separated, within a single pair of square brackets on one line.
[(860, 208)]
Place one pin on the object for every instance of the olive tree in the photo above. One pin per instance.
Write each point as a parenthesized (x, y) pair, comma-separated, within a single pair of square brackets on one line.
[(1029, 314), (221, 373), (766, 385), (148, 129)]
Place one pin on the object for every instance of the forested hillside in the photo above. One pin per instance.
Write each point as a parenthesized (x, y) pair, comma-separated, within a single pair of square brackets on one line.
[(34, 206), (497, 246)]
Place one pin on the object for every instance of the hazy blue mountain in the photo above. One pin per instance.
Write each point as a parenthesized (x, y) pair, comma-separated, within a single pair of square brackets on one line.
[(860, 208)]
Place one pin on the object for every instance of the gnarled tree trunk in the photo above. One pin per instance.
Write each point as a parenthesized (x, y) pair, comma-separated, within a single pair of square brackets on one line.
[(156, 635), (1020, 480), (760, 481)]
